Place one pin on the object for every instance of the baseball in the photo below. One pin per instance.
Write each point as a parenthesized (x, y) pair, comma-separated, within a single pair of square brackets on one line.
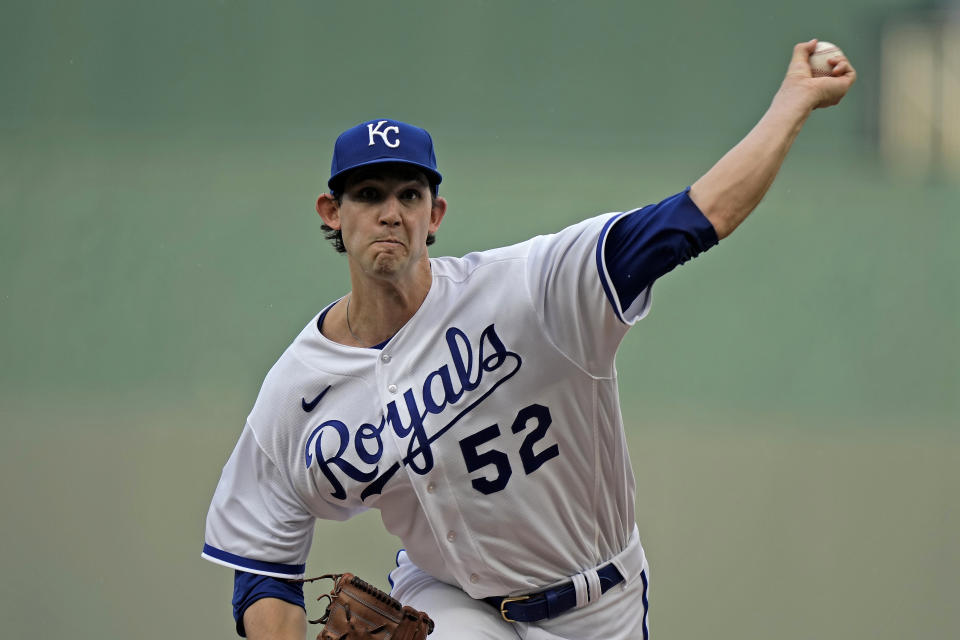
[(818, 59)]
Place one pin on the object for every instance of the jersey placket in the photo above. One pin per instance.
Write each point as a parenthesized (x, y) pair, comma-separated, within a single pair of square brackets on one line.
[(437, 497)]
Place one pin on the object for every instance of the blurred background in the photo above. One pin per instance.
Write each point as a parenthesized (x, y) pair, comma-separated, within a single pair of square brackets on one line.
[(791, 401)]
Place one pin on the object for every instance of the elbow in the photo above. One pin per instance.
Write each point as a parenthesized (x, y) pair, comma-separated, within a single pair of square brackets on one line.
[(723, 225), (714, 209)]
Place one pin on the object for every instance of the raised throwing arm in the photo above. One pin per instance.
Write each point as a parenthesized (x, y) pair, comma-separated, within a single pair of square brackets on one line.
[(734, 186)]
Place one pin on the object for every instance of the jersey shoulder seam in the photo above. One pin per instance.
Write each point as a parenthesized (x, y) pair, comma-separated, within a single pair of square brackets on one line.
[(280, 470), (569, 358), (260, 446), (290, 351), (553, 343), (468, 273)]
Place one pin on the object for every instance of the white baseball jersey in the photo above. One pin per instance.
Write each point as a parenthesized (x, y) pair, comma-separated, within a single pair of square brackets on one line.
[(487, 431)]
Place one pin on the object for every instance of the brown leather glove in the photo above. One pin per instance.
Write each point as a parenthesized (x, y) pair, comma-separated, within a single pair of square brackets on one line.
[(360, 611)]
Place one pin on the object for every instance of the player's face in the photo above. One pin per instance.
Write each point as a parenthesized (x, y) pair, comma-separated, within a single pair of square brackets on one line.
[(385, 215)]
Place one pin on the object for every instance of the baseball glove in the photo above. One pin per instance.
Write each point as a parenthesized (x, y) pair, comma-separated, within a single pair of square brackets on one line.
[(358, 610)]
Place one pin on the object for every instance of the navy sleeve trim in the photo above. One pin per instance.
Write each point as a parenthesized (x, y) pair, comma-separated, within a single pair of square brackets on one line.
[(604, 282), (397, 562), (291, 570), (647, 243), (250, 587)]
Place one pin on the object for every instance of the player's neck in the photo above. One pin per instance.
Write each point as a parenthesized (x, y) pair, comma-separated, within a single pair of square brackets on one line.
[(379, 307)]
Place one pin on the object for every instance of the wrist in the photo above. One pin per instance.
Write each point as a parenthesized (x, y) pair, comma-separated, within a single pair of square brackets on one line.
[(794, 104)]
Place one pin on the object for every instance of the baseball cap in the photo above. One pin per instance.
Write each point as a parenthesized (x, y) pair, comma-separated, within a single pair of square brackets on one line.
[(383, 140)]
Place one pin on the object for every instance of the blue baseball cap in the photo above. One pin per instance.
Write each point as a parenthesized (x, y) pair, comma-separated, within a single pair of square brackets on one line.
[(382, 140)]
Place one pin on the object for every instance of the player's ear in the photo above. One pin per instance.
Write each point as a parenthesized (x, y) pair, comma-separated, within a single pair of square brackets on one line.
[(329, 210), (437, 212)]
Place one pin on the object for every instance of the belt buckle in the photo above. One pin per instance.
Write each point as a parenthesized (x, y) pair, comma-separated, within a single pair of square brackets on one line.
[(506, 601)]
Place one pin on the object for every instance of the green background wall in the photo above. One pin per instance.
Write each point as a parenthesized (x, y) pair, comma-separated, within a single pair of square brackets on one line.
[(791, 401)]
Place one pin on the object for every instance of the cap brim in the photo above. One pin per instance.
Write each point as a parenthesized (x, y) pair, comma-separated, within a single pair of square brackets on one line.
[(337, 180)]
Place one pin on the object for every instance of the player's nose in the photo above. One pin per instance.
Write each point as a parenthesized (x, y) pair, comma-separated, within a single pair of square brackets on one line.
[(390, 211)]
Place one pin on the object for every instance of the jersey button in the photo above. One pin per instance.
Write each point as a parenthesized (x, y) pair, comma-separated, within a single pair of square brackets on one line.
[(474, 578), (451, 536), (431, 487), (385, 358), (392, 388)]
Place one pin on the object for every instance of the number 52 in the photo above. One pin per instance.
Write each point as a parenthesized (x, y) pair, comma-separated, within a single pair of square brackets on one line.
[(536, 415)]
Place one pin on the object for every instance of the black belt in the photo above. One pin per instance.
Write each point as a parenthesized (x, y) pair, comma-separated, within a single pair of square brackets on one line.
[(552, 602)]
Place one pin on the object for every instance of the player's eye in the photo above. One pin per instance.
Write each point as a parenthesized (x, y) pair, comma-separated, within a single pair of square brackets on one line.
[(367, 193), (410, 194)]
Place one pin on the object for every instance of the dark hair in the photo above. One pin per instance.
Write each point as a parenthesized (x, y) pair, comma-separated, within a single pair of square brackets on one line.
[(336, 238)]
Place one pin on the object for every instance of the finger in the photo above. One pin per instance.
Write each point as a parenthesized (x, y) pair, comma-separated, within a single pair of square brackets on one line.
[(845, 70), (800, 61), (803, 50), (840, 68)]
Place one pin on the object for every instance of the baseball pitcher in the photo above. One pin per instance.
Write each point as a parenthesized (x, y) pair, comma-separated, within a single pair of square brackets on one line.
[(473, 401)]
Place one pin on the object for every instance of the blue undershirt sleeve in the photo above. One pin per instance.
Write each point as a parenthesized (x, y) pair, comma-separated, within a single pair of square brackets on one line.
[(250, 587), (649, 242)]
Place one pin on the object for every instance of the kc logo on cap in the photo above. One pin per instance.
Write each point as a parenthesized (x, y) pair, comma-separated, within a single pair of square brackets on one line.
[(375, 131), (378, 141)]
